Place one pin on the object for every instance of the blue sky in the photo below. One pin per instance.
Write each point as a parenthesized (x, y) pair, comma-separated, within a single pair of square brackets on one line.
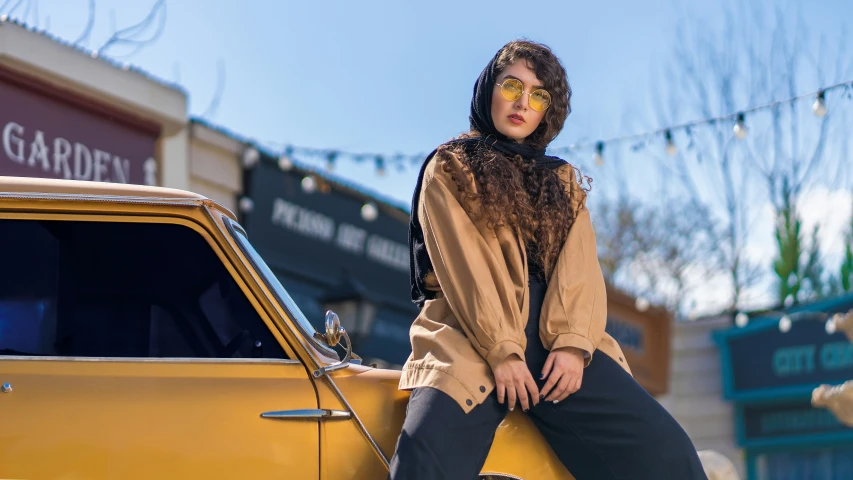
[(396, 76)]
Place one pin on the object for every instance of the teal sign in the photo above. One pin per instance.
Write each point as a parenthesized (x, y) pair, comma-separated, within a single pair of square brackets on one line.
[(762, 363)]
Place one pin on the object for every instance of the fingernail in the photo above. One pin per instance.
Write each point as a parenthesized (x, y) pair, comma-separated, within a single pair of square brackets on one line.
[(556, 401), (541, 397), (542, 377), (525, 411), (511, 408)]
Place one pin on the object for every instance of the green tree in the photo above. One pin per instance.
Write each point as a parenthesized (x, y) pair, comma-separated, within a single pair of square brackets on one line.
[(847, 264), (789, 244), (813, 272)]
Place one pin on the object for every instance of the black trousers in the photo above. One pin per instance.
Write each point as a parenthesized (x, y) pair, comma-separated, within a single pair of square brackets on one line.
[(611, 428)]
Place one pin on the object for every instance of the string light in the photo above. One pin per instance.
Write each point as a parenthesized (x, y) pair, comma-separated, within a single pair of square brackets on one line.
[(741, 319), (740, 127), (246, 205), (251, 157), (309, 184), (369, 212), (830, 326), (598, 156), (285, 163), (671, 149), (819, 107), (785, 324), (740, 131)]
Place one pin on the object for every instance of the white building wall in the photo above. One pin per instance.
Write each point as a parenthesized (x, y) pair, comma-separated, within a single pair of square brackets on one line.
[(695, 395)]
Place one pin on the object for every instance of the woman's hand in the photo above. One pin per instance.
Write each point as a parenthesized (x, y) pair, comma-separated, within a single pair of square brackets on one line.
[(514, 381), (564, 369)]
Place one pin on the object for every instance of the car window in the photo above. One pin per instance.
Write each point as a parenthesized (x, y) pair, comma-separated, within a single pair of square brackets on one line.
[(101, 289), (278, 289)]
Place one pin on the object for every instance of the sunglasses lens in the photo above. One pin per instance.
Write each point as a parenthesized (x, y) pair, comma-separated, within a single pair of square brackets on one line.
[(540, 100), (511, 89)]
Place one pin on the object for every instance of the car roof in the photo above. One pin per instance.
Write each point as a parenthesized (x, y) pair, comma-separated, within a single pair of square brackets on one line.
[(114, 191), (46, 186)]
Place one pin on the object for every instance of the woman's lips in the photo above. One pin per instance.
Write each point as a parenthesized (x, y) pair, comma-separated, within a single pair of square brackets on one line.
[(516, 119)]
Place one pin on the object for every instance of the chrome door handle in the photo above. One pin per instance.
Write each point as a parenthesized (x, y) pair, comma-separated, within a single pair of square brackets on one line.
[(308, 414)]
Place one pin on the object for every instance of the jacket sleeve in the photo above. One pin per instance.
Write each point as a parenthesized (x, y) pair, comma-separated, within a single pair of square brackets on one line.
[(473, 279), (574, 311)]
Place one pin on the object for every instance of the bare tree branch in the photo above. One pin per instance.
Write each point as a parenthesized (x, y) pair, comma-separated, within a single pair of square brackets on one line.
[(90, 23), (129, 35), (15, 7), (218, 92)]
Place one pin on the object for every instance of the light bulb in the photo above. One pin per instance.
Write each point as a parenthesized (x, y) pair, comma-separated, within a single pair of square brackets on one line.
[(285, 163), (251, 157), (598, 156), (246, 205), (740, 127), (741, 319), (830, 325), (671, 149), (369, 212), (309, 185), (785, 324), (819, 106)]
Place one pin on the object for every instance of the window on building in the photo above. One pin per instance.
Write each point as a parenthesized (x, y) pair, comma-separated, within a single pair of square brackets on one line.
[(97, 289)]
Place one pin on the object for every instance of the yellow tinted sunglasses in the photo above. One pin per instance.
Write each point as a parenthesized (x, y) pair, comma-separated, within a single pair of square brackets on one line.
[(512, 89)]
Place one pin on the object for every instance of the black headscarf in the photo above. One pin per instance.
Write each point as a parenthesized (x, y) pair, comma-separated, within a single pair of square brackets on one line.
[(481, 121)]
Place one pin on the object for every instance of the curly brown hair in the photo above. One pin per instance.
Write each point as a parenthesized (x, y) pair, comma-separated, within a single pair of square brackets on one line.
[(512, 192)]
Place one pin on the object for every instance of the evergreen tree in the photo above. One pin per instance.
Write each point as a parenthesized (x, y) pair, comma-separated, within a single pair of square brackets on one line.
[(813, 273), (847, 264), (789, 244)]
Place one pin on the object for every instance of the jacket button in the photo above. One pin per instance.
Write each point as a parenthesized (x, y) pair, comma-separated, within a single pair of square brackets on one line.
[(469, 402), (482, 389)]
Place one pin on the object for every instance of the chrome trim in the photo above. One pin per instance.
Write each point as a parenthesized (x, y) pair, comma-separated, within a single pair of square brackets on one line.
[(274, 297), (182, 360), (333, 334), (307, 414), (358, 421)]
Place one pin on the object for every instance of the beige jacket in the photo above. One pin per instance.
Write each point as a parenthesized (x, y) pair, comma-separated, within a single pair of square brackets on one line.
[(481, 307)]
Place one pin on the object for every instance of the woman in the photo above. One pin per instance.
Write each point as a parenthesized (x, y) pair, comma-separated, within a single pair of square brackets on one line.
[(513, 302)]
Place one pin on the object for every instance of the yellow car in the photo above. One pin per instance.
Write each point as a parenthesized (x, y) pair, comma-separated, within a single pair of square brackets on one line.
[(142, 336)]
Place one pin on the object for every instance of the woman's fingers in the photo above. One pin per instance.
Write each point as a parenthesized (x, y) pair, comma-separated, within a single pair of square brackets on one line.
[(501, 388), (510, 392), (562, 386), (553, 378), (546, 370), (531, 388)]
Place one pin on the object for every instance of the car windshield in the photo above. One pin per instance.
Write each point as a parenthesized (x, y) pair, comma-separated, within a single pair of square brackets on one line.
[(273, 283)]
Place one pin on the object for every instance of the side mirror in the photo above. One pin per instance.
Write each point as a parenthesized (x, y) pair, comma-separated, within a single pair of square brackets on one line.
[(334, 332)]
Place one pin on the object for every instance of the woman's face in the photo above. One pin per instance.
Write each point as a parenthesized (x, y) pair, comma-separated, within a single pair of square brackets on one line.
[(515, 119)]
